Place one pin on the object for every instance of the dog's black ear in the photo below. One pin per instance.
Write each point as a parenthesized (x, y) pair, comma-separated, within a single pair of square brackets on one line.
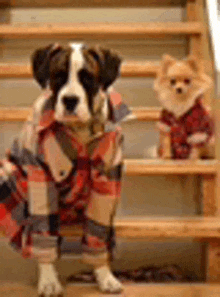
[(109, 63), (40, 62)]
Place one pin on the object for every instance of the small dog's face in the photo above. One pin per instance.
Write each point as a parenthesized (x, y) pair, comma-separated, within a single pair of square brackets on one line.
[(180, 78), (180, 81), (77, 77)]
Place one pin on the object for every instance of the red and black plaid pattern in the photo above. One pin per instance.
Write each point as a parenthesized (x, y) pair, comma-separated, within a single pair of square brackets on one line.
[(196, 121), (55, 181)]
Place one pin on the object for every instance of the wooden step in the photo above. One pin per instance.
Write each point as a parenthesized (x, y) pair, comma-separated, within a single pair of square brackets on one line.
[(150, 291), (143, 114), (10, 289), (101, 30), (160, 228), (140, 167), (18, 114), (90, 3), (14, 114), (129, 69)]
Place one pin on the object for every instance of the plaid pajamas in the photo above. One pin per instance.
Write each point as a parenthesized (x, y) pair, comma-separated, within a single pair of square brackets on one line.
[(194, 128), (52, 180)]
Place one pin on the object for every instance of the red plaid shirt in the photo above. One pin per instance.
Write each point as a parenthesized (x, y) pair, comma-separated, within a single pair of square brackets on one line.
[(194, 128), (52, 179)]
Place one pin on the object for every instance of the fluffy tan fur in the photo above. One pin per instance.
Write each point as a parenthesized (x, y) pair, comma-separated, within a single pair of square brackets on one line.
[(186, 74), (178, 84)]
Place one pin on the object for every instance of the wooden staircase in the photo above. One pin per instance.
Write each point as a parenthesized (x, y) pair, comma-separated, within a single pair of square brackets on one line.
[(205, 228)]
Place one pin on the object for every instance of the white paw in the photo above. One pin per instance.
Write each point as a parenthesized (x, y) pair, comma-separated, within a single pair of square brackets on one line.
[(106, 281), (49, 285)]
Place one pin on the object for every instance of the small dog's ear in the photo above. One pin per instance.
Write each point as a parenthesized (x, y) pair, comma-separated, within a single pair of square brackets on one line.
[(40, 62), (109, 63), (167, 61), (194, 63)]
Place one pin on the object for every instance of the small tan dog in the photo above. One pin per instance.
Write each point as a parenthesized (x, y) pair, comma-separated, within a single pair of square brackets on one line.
[(185, 125)]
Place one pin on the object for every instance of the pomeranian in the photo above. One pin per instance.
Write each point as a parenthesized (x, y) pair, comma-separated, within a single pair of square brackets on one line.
[(185, 125)]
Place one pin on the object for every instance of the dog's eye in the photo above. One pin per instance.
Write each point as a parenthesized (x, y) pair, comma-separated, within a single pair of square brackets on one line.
[(187, 81), (86, 78), (173, 82), (58, 79), (59, 74)]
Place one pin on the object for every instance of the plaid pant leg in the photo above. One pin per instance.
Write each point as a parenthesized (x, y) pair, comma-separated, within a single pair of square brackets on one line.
[(99, 239), (44, 216)]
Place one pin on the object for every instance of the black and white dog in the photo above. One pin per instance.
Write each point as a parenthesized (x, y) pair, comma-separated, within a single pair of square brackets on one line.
[(78, 77)]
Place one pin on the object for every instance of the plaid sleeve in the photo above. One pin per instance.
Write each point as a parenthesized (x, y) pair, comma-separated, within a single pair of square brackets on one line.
[(164, 123), (200, 126), (42, 197), (43, 210)]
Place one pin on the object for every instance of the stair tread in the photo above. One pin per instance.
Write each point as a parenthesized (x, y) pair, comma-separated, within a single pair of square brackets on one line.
[(148, 290), (134, 167), (160, 227), (100, 30), (129, 69)]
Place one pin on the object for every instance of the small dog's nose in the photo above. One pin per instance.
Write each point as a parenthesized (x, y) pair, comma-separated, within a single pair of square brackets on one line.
[(179, 90), (70, 102)]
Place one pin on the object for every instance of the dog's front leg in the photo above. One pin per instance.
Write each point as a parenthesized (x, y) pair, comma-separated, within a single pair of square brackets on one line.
[(48, 281), (195, 153), (44, 215), (165, 141), (100, 213), (96, 254)]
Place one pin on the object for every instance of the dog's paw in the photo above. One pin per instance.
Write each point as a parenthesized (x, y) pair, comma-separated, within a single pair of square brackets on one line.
[(50, 290), (49, 285), (107, 282)]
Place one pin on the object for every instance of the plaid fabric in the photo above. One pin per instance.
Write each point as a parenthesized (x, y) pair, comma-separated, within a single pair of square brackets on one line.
[(194, 128), (52, 180)]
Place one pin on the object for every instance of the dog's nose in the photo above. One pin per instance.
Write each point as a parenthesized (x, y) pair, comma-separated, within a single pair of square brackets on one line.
[(70, 102), (179, 90)]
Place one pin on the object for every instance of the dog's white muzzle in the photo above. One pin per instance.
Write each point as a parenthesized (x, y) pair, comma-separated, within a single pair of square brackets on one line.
[(72, 98)]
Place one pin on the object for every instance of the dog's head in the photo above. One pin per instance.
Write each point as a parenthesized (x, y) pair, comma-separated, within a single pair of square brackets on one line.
[(180, 82), (77, 76)]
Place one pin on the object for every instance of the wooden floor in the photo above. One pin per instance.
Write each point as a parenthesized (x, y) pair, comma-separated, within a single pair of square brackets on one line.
[(15, 290)]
